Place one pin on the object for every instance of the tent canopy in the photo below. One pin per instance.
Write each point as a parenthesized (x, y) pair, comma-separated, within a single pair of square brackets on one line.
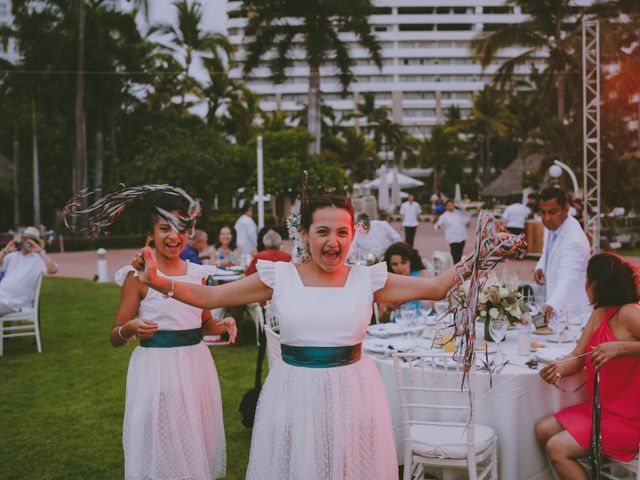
[(404, 181)]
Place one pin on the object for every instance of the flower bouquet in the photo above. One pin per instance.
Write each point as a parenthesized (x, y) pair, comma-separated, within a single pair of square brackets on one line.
[(497, 300)]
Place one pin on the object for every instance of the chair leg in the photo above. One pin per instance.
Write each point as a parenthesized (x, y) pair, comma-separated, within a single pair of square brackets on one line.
[(408, 464), (37, 329), (494, 463)]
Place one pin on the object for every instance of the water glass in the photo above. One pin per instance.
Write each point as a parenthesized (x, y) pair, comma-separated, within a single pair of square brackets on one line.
[(498, 330), (558, 322), (408, 313)]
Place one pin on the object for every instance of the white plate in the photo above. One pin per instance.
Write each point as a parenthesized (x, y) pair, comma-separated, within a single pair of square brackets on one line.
[(492, 348), (536, 332), (222, 272), (384, 330), (377, 345)]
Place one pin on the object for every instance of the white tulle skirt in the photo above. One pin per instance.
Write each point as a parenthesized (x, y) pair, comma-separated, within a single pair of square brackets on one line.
[(323, 423), (173, 427)]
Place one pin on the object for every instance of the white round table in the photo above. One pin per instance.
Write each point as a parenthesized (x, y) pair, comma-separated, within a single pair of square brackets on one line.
[(518, 399)]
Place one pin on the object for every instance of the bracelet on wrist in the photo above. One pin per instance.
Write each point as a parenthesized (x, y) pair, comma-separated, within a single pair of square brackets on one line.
[(126, 339)]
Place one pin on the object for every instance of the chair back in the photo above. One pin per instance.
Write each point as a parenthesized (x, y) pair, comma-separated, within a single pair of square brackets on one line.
[(441, 261), (274, 352), (429, 266), (432, 392), (270, 318)]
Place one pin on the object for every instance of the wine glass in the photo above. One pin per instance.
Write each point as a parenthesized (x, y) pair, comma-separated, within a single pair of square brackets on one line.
[(408, 313), (558, 322), (498, 330)]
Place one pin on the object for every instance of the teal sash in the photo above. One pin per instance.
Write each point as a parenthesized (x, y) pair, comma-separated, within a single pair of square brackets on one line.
[(320, 357), (173, 338)]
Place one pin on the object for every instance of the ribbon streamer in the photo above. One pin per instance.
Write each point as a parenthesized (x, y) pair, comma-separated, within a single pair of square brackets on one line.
[(101, 214)]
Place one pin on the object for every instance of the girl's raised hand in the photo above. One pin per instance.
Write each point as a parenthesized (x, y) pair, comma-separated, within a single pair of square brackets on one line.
[(146, 265)]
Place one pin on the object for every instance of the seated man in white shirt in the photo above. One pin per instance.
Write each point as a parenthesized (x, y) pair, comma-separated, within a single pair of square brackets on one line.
[(246, 233), (515, 216), (375, 238), (23, 262)]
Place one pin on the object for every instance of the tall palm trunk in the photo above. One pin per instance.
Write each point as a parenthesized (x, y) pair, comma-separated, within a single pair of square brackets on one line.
[(16, 185), (36, 164), (98, 166), (436, 175), (486, 174), (314, 125), (560, 95), (80, 161)]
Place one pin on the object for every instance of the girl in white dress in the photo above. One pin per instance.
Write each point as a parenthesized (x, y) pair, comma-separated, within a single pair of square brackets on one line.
[(322, 412), (173, 427)]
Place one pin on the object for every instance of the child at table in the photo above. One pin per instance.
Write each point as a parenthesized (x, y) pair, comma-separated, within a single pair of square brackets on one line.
[(173, 424)]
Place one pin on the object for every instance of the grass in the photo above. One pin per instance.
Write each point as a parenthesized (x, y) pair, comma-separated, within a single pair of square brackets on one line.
[(628, 252), (61, 411)]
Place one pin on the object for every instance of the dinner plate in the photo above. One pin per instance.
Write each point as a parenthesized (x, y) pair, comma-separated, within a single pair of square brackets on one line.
[(384, 330), (536, 332), (222, 273), (377, 345)]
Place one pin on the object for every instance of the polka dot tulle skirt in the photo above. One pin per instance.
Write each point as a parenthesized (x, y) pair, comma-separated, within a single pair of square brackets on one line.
[(323, 423), (173, 427)]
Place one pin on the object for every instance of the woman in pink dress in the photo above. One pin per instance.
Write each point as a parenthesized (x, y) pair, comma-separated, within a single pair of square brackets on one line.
[(612, 335)]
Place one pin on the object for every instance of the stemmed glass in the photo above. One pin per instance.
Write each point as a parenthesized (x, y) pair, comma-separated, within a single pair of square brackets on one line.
[(558, 322), (408, 313), (498, 330)]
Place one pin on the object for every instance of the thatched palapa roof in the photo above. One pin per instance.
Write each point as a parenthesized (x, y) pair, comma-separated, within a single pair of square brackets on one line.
[(509, 182)]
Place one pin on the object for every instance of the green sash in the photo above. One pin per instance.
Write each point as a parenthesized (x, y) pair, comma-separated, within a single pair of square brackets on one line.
[(173, 338), (320, 357)]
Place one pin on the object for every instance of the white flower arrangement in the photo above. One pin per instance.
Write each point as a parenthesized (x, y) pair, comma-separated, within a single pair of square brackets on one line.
[(496, 299)]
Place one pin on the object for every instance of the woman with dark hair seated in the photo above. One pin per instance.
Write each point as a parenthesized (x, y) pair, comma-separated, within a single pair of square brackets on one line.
[(402, 259), (611, 340)]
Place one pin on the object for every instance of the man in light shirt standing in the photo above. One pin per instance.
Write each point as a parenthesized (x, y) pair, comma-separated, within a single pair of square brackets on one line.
[(454, 224), (246, 232), (562, 267), (410, 211), (515, 216)]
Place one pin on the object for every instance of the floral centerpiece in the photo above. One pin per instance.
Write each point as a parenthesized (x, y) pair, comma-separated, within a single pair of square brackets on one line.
[(497, 300)]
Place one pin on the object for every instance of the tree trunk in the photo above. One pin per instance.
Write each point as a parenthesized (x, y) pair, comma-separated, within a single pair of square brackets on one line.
[(436, 176), (16, 185), (114, 150), (80, 161), (314, 124), (97, 179), (560, 96), (486, 174), (36, 165)]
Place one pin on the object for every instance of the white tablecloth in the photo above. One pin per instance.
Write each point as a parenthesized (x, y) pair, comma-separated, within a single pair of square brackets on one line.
[(518, 399)]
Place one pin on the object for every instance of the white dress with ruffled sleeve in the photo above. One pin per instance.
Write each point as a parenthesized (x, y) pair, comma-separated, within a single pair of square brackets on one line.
[(173, 428), (323, 423)]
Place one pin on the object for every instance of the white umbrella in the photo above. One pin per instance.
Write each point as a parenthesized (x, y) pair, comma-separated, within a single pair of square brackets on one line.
[(404, 181), (383, 190), (458, 195), (395, 191)]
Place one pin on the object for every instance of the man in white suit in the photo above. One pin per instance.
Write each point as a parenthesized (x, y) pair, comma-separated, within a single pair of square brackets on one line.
[(562, 267)]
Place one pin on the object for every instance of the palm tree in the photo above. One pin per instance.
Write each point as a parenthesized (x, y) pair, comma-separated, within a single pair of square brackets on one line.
[(354, 151), (189, 40), (281, 25), (554, 27), (489, 120)]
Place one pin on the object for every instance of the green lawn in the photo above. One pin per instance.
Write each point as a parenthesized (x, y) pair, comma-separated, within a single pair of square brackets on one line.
[(61, 411)]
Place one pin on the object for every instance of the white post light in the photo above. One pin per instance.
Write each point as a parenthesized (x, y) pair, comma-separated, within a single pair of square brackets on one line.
[(556, 169), (260, 185), (103, 276)]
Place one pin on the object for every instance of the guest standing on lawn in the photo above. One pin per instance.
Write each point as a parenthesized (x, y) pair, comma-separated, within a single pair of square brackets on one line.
[(173, 426), (612, 335), (312, 420)]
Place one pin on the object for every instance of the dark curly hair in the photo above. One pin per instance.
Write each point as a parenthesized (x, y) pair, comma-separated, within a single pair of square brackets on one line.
[(406, 252), (614, 282), (324, 201)]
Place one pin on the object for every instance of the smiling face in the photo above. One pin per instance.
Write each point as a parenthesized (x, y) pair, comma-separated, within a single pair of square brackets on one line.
[(225, 237), (169, 243), (400, 265), (329, 237)]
